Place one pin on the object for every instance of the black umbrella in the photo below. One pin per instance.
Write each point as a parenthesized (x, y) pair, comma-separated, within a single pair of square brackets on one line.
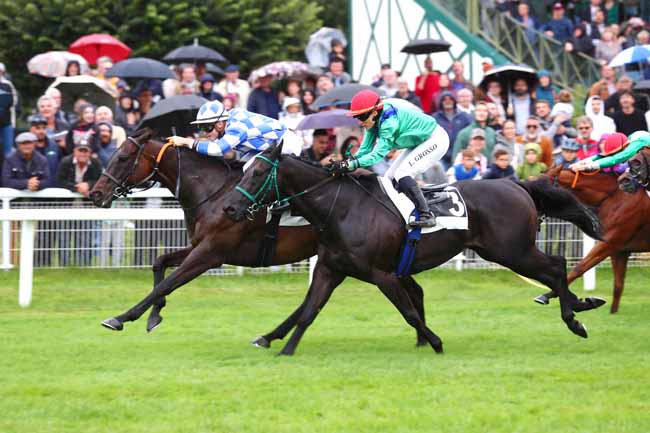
[(508, 74), (176, 112), (342, 95), (214, 69), (327, 119), (643, 86), (141, 68), (426, 46), (194, 54), (93, 90)]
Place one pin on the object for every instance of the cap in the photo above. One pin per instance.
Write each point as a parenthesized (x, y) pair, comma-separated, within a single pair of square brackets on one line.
[(487, 60), (123, 85), (82, 144), (26, 136), (37, 119), (231, 68), (478, 133), (207, 77), (557, 6), (289, 101), (570, 144)]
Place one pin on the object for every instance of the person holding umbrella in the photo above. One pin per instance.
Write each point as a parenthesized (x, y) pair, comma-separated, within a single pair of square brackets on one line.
[(426, 85), (395, 124), (232, 84)]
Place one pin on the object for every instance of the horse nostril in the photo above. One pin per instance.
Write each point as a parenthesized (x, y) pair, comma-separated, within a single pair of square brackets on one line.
[(229, 210)]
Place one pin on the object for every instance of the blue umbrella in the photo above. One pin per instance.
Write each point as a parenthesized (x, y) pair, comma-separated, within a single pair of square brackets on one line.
[(635, 54), (327, 119)]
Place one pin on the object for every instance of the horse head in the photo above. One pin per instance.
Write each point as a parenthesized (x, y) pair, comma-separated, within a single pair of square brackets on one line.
[(133, 165), (590, 188), (640, 167)]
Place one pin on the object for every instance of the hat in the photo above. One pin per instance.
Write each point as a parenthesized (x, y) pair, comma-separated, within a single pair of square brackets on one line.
[(2, 67), (543, 73), (635, 22), (557, 6), (289, 101), (207, 77), (487, 60), (26, 136), (534, 147), (478, 133), (82, 144), (231, 68), (122, 84), (37, 119), (570, 145)]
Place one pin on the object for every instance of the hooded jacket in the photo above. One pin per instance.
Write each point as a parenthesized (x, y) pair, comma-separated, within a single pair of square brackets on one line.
[(453, 126), (603, 124)]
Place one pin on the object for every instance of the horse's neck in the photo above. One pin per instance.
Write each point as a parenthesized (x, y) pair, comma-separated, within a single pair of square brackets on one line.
[(297, 177), (593, 191)]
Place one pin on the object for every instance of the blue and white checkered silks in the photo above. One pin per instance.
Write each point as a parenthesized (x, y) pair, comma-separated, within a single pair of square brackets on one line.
[(245, 132)]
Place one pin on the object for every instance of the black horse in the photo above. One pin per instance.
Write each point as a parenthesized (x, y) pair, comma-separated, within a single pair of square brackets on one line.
[(362, 236), (201, 183)]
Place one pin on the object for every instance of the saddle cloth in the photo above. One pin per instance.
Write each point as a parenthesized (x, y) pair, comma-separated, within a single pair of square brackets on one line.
[(447, 204), (288, 220)]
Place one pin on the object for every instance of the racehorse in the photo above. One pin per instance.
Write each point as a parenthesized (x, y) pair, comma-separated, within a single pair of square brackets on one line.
[(640, 168), (362, 235), (623, 218), (200, 182)]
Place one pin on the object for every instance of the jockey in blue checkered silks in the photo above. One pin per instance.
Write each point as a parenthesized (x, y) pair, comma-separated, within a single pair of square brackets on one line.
[(248, 133)]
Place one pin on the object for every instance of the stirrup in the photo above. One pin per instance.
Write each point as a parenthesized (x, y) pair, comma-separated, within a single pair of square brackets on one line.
[(426, 220)]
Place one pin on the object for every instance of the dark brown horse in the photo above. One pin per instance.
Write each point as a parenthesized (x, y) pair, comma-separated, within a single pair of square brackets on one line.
[(215, 239), (362, 237), (639, 170), (626, 228)]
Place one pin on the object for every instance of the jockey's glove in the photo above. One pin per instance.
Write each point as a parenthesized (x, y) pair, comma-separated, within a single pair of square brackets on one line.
[(182, 141), (344, 166)]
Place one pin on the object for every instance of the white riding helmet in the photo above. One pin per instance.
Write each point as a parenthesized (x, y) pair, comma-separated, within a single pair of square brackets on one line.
[(211, 112), (638, 134)]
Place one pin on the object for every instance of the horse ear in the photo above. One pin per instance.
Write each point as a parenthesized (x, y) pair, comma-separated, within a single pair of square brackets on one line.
[(277, 151)]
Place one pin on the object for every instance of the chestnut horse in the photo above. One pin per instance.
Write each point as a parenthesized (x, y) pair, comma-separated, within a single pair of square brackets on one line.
[(626, 228)]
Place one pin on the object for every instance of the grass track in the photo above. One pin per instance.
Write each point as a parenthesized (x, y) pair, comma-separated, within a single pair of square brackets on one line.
[(510, 365)]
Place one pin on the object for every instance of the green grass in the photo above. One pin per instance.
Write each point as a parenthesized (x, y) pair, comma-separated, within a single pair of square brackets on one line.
[(510, 365)]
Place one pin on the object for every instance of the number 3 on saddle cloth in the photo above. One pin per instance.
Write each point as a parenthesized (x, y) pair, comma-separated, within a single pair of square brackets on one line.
[(446, 203)]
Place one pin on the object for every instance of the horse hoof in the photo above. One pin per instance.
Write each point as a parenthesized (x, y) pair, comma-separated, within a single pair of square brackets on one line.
[(438, 349), (541, 299), (613, 310), (113, 324), (261, 342), (579, 329), (153, 323), (421, 343), (595, 302)]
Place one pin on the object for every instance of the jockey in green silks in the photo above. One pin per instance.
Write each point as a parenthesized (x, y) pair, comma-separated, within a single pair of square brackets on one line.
[(616, 150)]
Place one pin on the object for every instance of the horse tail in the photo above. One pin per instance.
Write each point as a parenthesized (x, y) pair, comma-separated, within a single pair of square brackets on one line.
[(560, 203)]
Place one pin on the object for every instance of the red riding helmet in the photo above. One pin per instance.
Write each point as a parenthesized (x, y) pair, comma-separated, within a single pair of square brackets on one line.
[(614, 143), (364, 102)]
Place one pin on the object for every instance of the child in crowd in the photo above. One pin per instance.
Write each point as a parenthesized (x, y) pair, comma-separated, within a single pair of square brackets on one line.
[(531, 168), (564, 106), (568, 154), (501, 167), (467, 169)]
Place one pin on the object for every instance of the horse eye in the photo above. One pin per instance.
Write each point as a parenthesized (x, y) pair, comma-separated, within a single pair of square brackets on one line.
[(123, 158)]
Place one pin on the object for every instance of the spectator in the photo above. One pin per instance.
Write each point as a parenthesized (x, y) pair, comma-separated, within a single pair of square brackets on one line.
[(318, 151), (60, 115), (25, 169), (507, 140), (291, 116), (324, 85), (307, 99), (336, 71), (602, 124), (451, 120), (531, 168), (568, 154), (104, 114), (495, 94), (73, 68), (82, 130), (403, 92), (587, 14), (501, 167), (580, 42), (466, 169), (606, 86), (293, 88), (427, 84), (350, 147), (389, 85), (559, 27), (486, 64), (7, 112), (598, 26), (103, 144), (544, 90), (459, 81), (337, 50), (477, 146), (533, 135), (45, 145), (495, 120), (232, 84), (523, 104), (123, 88), (126, 115), (378, 80), (480, 122), (230, 101), (586, 142), (145, 100), (206, 88), (565, 105), (464, 98), (628, 119), (528, 21), (47, 109), (170, 85), (444, 85), (607, 47), (264, 100), (624, 84), (188, 84), (613, 11)]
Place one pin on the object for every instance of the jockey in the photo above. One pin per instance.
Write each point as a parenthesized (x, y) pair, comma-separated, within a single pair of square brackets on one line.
[(396, 124), (616, 150), (246, 132)]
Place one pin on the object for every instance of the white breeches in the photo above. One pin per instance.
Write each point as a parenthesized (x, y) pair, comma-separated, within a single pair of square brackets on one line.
[(419, 159)]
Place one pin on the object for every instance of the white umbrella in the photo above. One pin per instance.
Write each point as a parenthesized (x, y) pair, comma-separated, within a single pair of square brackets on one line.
[(636, 54), (319, 46), (53, 63), (93, 90)]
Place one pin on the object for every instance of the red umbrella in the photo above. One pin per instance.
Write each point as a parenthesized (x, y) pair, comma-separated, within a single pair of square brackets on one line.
[(97, 45)]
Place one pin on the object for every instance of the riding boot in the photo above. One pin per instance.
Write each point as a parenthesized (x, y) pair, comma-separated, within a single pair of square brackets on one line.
[(409, 187)]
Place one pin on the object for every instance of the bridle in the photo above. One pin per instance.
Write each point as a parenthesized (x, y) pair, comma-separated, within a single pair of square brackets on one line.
[(646, 181)]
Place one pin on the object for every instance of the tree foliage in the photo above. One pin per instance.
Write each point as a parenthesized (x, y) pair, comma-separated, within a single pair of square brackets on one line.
[(247, 32)]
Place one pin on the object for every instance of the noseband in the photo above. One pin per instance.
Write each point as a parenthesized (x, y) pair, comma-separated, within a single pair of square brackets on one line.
[(646, 161)]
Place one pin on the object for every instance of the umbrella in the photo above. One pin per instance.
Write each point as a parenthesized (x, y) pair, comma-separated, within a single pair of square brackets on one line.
[(342, 95), (426, 46), (53, 63), (327, 119), (508, 74), (214, 69), (174, 112), (93, 90), (319, 46), (636, 54), (194, 54), (643, 86), (280, 70), (91, 47), (141, 68)]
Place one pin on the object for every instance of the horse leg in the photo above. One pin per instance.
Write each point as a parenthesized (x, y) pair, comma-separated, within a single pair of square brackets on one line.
[(416, 294), (619, 264), (197, 262), (159, 267), (324, 282)]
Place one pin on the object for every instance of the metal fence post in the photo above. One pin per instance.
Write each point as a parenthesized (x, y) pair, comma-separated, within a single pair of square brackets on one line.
[(589, 277)]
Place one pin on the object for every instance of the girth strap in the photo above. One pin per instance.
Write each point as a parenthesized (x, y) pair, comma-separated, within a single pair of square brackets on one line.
[(267, 248)]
